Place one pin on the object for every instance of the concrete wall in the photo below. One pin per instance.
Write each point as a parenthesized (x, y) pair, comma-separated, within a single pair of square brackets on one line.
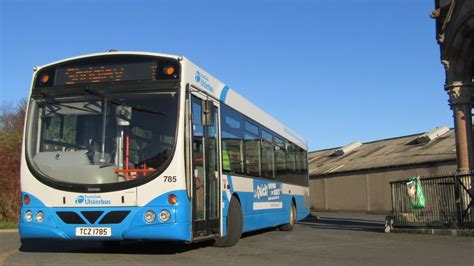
[(365, 191)]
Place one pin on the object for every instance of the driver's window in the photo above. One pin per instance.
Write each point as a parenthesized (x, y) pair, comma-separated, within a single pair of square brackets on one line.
[(72, 127), (60, 129)]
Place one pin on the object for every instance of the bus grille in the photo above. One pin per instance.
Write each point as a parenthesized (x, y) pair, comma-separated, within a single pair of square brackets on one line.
[(113, 217), (92, 216), (70, 218)]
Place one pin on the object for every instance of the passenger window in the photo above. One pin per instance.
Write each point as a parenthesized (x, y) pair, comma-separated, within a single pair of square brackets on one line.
[(290, 159), (252, 149), (232, 141), (267, 154), (280, 157)]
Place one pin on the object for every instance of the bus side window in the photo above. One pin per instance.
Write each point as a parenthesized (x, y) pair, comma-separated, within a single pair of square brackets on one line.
[(268, 166), (252, 149), (290, 161), (280, 157), (232, 141)]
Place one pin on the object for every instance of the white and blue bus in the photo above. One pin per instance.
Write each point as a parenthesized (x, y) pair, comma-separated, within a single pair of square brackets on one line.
[(132, 145)]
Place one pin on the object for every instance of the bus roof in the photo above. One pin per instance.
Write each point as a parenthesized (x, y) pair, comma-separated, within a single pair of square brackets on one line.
[(200, 79), (205, 82)]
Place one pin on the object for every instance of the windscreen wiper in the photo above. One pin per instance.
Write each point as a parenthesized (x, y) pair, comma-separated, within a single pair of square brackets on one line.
[(136, 108), (51, 100)]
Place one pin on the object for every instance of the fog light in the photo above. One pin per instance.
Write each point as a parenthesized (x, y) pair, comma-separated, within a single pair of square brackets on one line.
[(165, 215), (172, 199), (26, 200), (150, 216), (28, 216), (40, 217)]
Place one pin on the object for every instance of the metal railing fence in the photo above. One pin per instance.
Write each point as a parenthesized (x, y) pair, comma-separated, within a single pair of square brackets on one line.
[(448, 202)]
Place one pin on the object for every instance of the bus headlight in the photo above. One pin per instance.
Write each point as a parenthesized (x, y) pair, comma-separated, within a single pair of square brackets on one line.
[(150, 216), (40, 217), (28, 216), (165, 215)]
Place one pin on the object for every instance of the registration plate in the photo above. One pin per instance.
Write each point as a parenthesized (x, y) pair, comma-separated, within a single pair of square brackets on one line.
[(93, 231)]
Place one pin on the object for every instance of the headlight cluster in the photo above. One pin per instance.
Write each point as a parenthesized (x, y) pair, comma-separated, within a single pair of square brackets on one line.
[(39, 216), (28, 216), (150, 216), (165, 215)]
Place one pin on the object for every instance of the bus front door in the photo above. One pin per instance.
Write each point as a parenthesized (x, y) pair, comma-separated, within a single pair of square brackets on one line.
[(205, 168)]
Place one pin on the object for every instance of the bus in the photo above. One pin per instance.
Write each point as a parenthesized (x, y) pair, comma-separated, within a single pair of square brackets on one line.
[(135, 145)]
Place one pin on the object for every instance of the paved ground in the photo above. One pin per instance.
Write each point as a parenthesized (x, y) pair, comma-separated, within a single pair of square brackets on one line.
[(334, 239)]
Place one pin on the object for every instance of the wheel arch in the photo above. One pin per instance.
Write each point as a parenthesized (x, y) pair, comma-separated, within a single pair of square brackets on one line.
[(236, 195)]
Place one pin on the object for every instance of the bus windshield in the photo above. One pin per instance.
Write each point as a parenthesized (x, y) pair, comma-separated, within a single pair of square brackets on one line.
[(102, 139)]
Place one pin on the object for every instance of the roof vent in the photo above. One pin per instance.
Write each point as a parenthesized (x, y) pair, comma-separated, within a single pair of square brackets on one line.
[(348, 148), (432, 135)]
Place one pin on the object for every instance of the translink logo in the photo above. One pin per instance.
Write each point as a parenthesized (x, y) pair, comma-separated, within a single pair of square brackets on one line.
[(203, 80), (79, 199)]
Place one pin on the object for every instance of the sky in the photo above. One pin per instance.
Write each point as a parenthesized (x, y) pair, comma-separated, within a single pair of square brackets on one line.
[(333, 71)]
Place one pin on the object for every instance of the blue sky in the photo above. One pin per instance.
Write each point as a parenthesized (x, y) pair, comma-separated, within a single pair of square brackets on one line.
[(334, 71)]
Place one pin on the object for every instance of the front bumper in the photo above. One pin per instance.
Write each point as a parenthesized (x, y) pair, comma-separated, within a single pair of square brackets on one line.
[(61, 223)]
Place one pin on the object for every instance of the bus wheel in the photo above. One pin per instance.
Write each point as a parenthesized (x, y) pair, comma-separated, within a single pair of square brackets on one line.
[(289, 226), (233, 226)]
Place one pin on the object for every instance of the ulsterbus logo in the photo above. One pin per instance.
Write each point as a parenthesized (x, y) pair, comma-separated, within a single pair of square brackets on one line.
[(92, 200), (203, 80)]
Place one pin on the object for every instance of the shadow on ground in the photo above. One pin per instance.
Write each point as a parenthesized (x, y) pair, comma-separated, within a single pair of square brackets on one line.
[(118, 247), (342, 223), (165, 248), (112, 247)]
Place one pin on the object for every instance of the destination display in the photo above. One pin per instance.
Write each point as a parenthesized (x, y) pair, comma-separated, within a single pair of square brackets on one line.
[(71, 75)]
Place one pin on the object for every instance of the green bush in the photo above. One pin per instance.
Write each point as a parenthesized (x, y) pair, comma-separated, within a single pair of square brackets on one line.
[(11, 130)]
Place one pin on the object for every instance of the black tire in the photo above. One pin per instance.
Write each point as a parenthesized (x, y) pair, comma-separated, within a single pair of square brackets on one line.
[(27, 244), (291, 224), (234, 225)]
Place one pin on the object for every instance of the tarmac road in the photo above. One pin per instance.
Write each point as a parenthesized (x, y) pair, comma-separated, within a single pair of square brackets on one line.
[(334, 239)]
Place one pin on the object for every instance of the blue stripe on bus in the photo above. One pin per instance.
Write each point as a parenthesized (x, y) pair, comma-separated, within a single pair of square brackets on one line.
[(224, 92)]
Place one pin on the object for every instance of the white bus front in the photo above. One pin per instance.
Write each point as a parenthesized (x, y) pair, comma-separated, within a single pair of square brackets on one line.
[(103, 154)]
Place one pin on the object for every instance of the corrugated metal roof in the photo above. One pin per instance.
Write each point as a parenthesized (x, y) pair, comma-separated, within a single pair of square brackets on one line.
[(384, 153)]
